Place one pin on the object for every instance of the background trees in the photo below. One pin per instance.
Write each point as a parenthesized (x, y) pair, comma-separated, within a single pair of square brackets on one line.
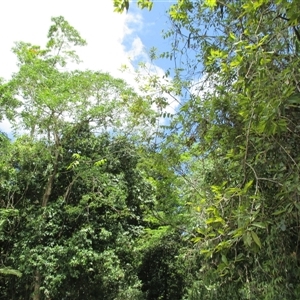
[(72, 196)]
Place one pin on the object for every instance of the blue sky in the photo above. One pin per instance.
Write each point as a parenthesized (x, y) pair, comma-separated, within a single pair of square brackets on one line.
[(113, 39), (155, 21)]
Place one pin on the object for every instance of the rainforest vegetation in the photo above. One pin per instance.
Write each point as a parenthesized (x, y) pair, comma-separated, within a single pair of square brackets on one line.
[(105, 194)]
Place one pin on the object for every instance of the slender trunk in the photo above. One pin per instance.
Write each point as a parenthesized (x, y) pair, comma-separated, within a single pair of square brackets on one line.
[(12, 288), (68, 191), (50, 181), (37, 285), (46, 196)]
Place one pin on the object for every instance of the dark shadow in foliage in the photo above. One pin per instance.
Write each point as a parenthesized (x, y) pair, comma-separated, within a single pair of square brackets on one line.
[(161, 274)]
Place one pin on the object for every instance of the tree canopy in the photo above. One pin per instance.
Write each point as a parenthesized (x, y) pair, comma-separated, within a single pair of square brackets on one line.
[(99, 203)]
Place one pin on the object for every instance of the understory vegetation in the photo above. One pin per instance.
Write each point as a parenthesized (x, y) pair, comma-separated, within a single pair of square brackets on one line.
[(98, 202)]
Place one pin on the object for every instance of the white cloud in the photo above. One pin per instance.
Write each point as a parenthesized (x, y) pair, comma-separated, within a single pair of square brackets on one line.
[(137, 50), (113, 39), (5, 126), (104, 30), (159, 86)]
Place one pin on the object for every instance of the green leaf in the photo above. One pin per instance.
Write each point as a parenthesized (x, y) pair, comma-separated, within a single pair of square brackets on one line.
[(247, 186), (232, 36), (224, 259), (294, 99), (100, 162), (279, 212), (259, 225), (215, 220), (211, 3), (256, 239)]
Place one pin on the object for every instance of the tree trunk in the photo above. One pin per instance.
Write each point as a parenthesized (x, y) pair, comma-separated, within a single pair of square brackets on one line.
[(37, 285), (46, 196)]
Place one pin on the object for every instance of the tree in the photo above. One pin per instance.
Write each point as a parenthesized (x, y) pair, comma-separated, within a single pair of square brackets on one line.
[(239, 74), (71, 182), (82, 242)]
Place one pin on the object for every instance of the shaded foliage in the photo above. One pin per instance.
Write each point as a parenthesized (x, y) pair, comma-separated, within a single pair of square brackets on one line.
[(161, 271)]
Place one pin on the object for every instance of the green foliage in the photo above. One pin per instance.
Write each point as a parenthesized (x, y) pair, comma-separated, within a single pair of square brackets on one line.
[(73, 199), (7, 101), (49, 92), (86, 234), (161, 271), (8, 271), (232, 146), (121, 5), (210, 210), (246, 125)]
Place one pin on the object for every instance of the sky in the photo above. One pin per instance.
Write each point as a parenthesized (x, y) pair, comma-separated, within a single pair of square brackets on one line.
[(113, 39)]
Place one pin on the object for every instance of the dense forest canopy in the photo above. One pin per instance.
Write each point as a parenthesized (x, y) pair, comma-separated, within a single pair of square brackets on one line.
[(105, 194)]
